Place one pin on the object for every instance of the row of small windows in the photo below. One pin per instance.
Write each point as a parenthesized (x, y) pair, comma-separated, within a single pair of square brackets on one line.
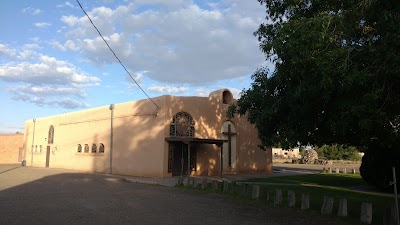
[(36, 148), (86, 149)]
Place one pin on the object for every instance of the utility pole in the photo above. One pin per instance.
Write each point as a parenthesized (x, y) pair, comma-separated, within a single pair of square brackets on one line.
[(111, 135), (395, 195), (33, 140)]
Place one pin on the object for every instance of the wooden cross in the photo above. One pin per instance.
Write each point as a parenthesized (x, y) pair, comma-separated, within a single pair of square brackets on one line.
[(230, 134)]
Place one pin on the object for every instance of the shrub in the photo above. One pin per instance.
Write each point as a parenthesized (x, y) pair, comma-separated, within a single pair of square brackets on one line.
[(338, 152)]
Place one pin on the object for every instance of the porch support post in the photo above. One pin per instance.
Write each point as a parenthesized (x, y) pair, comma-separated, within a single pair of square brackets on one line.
[(220, 157), (188, 159)]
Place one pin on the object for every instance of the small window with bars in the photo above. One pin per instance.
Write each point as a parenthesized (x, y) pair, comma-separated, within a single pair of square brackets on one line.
[(86, 148), (94, 148), (101, 148)]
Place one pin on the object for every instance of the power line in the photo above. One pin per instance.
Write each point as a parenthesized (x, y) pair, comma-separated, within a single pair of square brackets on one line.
[(116, 55)]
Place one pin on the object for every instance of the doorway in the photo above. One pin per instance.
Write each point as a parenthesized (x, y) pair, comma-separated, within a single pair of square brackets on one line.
[(48, 156), (180, 160)]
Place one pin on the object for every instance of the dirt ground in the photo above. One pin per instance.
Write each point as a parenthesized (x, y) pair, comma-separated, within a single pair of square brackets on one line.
[(49, 196)]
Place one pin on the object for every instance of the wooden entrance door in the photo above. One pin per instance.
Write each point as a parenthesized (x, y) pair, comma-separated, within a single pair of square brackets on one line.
[(48, 156), (180, 159)]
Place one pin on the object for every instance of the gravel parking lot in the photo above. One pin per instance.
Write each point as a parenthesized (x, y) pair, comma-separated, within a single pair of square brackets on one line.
[(50, 196)]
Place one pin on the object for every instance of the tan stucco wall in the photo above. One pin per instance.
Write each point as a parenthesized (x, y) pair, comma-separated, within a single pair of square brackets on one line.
[(136, 137), (209, 114), (139, 132), (10, 145)]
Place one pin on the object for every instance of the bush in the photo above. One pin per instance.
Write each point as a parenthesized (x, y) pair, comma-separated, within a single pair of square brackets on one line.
[(338, 152), (376, 167)]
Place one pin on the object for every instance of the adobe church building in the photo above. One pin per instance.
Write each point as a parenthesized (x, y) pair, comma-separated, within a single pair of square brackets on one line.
[(138, 138)]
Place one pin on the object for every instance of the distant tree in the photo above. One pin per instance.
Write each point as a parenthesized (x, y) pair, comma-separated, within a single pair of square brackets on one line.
[(336, 79), (338, 152)]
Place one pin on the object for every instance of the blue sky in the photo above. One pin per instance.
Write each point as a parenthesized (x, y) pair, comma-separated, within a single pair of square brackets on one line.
[(53, 61)]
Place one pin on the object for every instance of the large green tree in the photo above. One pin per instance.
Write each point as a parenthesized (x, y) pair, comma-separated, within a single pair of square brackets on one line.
[(336, 79)]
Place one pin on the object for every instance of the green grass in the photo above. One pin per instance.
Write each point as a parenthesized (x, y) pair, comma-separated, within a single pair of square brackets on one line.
[(338, 180), (318, 186), (354, 199)]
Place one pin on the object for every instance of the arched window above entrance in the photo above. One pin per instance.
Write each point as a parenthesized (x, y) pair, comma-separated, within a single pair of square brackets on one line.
[(50, 138), (182, 125)]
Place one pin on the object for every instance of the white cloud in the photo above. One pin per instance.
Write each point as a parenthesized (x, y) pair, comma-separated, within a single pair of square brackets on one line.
[(70, 20), (25, 53), (235, 92), (68, 4), (47, 81), (7, 51), (68, 45), (202, 92), (57, 45), (48, 70), (138, 77), (42, 24), (168, 89), (48, 92), (66, 102), (31, 11), (32, 46), (35, 39), (179, 45)]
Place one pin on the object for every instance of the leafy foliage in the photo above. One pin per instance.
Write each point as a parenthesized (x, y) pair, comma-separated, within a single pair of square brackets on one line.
[(338, 152), (336, 76)]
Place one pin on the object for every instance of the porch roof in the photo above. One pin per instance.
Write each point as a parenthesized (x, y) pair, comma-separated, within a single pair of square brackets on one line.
[(188, 140)]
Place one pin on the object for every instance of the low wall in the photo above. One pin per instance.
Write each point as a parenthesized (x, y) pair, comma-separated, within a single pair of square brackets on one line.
[(11, 146)]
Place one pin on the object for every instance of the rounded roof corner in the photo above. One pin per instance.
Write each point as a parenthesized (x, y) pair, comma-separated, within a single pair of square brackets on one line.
[(218, 92)]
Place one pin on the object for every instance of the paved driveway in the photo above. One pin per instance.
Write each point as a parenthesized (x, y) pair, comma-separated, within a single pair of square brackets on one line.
[(49, 196)]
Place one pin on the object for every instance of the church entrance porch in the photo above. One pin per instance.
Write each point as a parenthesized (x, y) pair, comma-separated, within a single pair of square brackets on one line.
[(178, 156), (182, 154)]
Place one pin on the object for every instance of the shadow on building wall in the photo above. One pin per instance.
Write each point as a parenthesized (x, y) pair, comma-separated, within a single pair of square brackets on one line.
[(139, 131)]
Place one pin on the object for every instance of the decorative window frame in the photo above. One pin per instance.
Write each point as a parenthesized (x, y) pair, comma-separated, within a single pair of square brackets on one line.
[(182, 125)]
